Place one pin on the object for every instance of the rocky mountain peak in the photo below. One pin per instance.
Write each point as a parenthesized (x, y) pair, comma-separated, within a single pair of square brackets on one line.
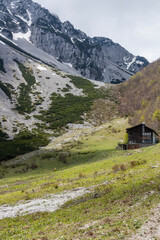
[(98, 58), (102, 40), (68, 26)]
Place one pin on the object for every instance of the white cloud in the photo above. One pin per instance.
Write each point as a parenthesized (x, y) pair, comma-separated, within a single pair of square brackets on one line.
[(133, 24)]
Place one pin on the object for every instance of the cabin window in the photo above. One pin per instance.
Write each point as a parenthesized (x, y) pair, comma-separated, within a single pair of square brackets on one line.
[(146, 140), (147, 134)]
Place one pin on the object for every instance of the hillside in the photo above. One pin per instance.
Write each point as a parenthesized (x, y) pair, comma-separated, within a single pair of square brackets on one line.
[(140, 96), (61, 174), (109, 194), (42, 91), (39, 101)]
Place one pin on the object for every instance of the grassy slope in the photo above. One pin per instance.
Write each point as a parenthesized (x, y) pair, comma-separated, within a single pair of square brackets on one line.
[(140, 96), (111, 211)]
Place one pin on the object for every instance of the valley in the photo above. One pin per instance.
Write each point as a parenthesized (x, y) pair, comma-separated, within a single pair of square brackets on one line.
[(83, 160), (66, 100)]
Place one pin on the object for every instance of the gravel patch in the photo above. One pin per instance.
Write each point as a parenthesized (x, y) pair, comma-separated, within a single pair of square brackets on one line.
[(48, 204), (151, 229)]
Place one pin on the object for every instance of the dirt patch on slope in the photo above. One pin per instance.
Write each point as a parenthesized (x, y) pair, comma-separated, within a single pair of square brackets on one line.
[(48, 204), (151, 229)]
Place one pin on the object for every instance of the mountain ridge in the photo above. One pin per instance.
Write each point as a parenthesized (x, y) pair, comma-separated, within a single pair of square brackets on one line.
[(96, 58)]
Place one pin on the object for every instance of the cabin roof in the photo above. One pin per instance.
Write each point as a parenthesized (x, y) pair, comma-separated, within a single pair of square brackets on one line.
[(141, 125)]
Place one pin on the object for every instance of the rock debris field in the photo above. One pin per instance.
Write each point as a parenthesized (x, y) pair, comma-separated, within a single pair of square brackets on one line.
[(48, 204)]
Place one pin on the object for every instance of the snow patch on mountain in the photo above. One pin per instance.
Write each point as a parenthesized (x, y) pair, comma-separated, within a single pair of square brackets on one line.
[(14, 4), (22, 18), (56, 30), (29, 22), (9, 11), (30, 18), (20, 35), (128, 64), (139, 62), (2, 43), (81, 40), (72, 39), (41, 68), (68, 64)]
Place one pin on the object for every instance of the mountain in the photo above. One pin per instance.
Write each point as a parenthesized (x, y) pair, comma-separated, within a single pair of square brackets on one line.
[(140, 97), (29, 25), (42, 91), (39, 102), (29, 87)]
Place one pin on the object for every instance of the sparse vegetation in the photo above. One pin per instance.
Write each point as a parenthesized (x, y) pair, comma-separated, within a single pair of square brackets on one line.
[(6, 89), (25, 104), (3, 135), (27, 73), (2, 66), (24, 100), (70, 108), (67, 88), (125, 187)]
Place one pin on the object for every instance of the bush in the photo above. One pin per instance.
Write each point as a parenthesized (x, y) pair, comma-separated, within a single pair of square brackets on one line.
[(2, 66), (126, 138), (47, 156), (63, 157), (5, 89), (118, 167), (3, 136), (33, 166), (81, 175)]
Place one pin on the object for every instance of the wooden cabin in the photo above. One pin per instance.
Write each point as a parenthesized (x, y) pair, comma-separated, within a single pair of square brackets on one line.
[(141, 136)]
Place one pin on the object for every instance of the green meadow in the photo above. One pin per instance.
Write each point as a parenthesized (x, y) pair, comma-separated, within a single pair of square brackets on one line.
[(125, 187)]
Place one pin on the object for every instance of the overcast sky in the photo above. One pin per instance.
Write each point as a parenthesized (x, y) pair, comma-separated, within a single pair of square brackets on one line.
[(133, 24)]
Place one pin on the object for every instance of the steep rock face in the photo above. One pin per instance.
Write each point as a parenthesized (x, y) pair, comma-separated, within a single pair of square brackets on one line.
[(27, 87), (97, 58)]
